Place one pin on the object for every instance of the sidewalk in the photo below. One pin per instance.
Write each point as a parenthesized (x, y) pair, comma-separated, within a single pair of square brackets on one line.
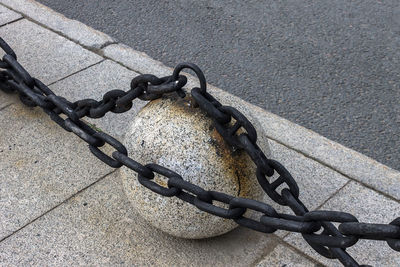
[(59, 205)]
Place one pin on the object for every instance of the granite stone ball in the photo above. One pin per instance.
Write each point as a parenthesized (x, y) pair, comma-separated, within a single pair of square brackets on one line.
[(172, 133)]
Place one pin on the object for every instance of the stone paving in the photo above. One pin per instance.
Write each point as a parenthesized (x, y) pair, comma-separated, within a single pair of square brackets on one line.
[(60, 206)]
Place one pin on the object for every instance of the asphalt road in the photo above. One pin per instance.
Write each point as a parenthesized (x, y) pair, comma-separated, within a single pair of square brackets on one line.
[(331, 66)]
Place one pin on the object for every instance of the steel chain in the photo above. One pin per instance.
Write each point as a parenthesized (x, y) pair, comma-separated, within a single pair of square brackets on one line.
[(331, 242)]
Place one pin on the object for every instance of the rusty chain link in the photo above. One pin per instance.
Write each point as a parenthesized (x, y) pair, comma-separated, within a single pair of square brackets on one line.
[(316, 227)]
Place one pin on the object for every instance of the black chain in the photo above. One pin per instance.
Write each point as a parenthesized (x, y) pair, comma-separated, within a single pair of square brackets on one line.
[(316, 227)]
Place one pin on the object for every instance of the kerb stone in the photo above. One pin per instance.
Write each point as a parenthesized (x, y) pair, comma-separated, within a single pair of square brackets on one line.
[(7, 15), (72, 29)]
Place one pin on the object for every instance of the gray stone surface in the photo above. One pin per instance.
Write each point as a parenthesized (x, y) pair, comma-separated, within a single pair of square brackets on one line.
[(94, 82), (7, 15), (347, 161), (367, 206), (285, 256), (171, 133), (41, 165), (99, 227), (44, 54), (7, 99), (135, 60), (72, 29)]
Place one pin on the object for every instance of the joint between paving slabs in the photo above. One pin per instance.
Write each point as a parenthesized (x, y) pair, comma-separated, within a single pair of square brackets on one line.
[(6, 106), (333, 195), (12, 21), (301, 253), (280, 241), (105, 45), (57, 205), (76, 72)]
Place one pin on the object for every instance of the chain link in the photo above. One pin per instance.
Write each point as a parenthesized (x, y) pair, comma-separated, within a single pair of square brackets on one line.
[(236, 130)]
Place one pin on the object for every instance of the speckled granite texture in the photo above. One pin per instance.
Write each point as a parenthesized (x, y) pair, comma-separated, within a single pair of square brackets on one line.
[(171, 133)]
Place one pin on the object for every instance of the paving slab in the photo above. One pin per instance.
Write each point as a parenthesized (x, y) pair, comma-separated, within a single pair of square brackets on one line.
[(99, 227), (367, 206), (349, 162), (94, 82), (7, 15), (72, 29), (45, 54), (285, 256), (135, 60), (41, 166)]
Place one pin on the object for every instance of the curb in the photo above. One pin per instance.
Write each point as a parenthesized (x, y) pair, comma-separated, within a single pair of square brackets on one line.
[(349, 163), (71, 29)]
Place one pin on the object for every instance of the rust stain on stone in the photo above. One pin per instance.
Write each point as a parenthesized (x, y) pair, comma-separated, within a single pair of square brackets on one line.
[(20, 163), (235, 162), (27, 112), (160, 181)]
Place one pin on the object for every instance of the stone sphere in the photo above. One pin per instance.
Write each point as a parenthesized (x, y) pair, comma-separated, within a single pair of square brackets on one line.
[(172, 133)]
